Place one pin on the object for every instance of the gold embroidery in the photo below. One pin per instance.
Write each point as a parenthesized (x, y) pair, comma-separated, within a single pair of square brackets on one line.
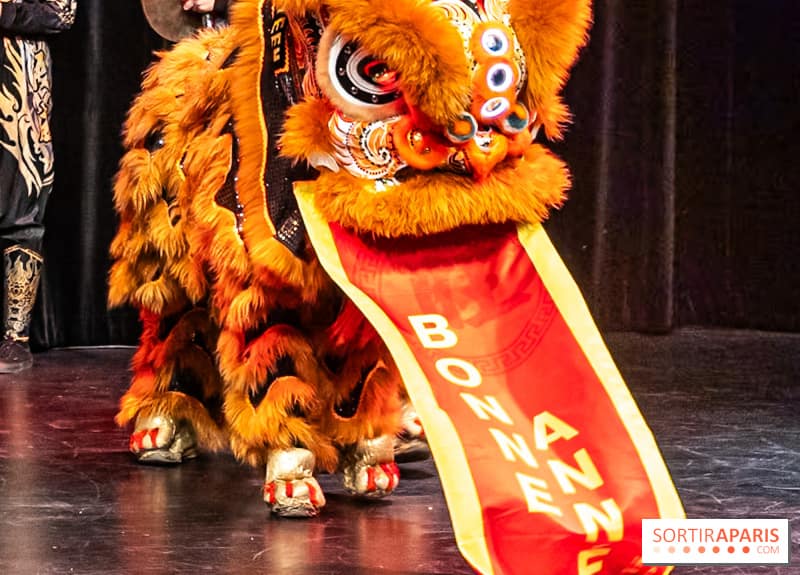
[(25, 101), (66, 11), (23, 267)]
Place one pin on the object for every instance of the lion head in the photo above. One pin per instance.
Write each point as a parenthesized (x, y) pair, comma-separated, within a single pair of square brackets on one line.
[(423, 115)]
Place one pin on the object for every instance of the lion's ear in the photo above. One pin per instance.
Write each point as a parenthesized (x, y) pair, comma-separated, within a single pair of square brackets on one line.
[(551, 33), (306, 136)]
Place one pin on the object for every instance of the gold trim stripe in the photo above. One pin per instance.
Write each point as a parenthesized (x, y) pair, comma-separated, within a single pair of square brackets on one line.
[(247, 17), (576, 314)]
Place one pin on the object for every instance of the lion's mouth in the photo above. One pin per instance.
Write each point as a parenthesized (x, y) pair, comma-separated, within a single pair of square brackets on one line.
[(391, 150)]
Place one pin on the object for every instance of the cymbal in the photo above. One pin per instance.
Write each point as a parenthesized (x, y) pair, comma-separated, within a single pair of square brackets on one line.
[(170, 20)]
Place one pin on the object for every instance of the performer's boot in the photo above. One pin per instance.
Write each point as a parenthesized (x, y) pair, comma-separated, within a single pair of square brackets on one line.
[(23, 268)]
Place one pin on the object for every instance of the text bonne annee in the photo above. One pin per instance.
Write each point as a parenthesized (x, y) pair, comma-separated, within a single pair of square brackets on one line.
[(433, 332)]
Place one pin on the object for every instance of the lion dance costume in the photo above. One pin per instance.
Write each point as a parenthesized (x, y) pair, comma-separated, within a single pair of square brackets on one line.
[(330, 204)]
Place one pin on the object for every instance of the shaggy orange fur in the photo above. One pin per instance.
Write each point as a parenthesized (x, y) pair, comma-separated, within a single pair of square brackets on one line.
[(155, 364), (292, 402), (154, 268), (519, 191), (158, 261), (551, 32), (305, 130), (353, 352), (376, 411), (179, 253), (297, 8)]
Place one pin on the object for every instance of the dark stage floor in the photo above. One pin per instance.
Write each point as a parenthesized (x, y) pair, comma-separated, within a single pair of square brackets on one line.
[(724, 406)]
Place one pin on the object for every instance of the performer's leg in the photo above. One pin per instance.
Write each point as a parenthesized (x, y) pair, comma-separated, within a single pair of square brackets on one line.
[(22, 262), (361, 407), (272, 399), (175, 396), (22, 272)]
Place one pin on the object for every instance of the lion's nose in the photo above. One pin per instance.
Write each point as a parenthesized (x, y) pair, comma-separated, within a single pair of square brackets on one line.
[(495, 81), (494, 90)]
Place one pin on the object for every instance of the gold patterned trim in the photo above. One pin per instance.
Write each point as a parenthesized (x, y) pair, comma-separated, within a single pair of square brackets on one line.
[(23, 267)]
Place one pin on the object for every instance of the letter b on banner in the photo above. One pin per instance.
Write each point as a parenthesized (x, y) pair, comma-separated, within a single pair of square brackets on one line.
[(433, 331)]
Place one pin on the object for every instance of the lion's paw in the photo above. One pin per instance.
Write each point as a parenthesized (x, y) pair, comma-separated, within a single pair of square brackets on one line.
[(370, 469), (372, 480), (290, 488), (296, 498), (160, 439)]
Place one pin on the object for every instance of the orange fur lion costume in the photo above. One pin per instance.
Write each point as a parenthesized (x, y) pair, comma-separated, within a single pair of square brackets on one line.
[(246, 342), (403, 120), (330, 206)]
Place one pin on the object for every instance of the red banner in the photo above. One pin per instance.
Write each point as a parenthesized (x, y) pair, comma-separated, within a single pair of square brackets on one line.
[(545, 460)]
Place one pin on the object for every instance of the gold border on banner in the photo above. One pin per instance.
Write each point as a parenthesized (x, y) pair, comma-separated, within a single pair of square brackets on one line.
[(576, 314)]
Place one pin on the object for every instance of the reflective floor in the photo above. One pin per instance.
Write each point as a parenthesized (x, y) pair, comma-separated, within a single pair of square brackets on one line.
[(724, 406)]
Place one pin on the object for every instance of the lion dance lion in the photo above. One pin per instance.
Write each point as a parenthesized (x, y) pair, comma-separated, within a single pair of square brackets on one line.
[(409, 117)]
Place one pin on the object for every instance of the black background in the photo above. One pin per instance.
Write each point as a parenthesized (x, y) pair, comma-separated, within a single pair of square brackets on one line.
[(685, 195)]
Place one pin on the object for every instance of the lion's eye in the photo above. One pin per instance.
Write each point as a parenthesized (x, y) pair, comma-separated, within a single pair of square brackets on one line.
[(494, 108), (360, 84), (495, 42), (499, 77), (361, 76), (379, 73)]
